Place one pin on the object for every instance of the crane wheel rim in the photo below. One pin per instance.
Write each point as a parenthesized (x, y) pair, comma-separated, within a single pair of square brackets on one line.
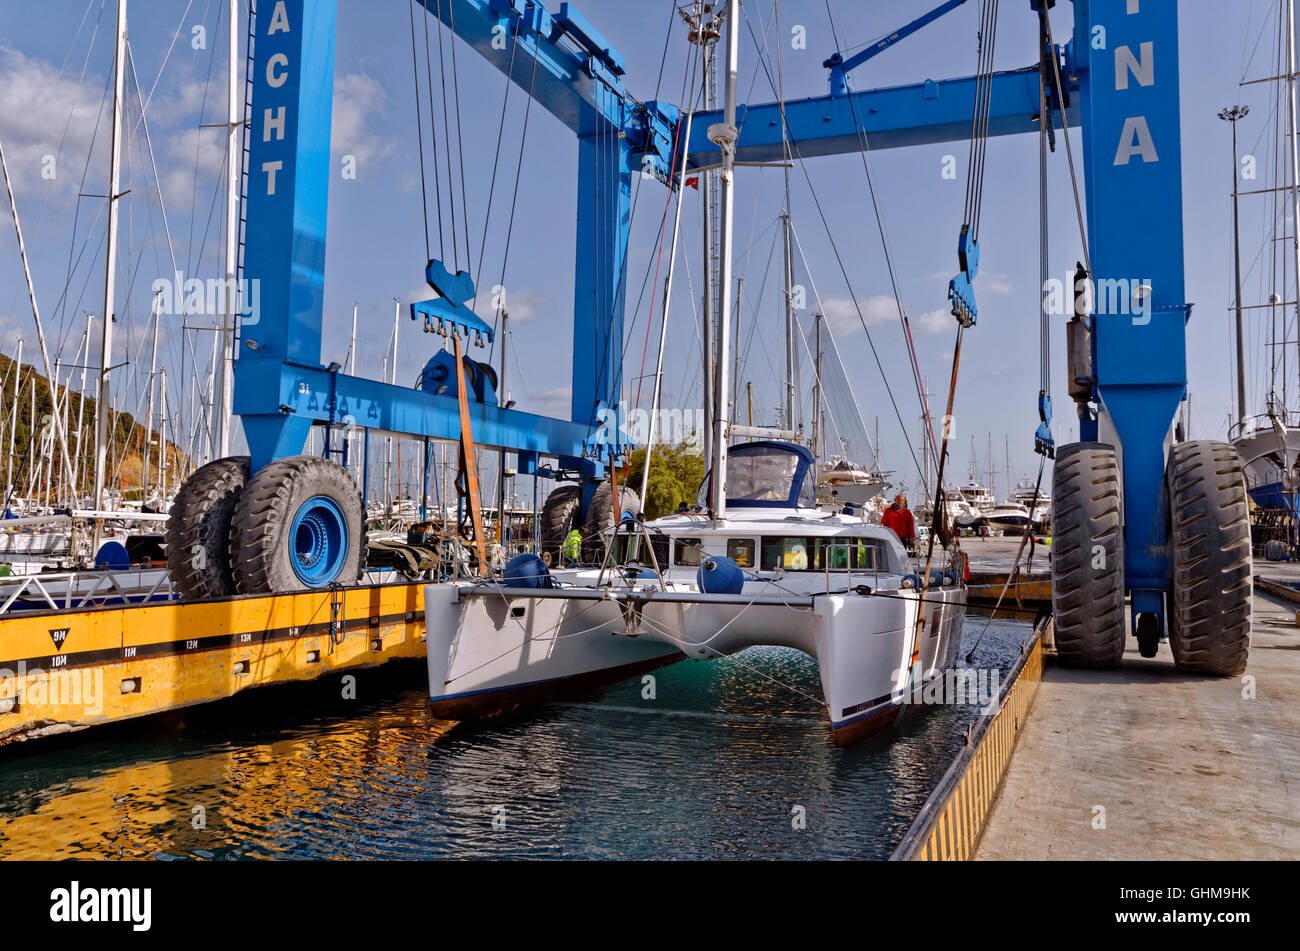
[(318, 541)]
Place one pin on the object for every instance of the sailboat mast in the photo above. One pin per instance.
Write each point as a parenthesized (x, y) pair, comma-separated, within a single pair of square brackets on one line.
[(352, 371), (110, 273), (817, 398), (1293, 152), (13, 420), (81, 411), (148, 416), (708, 39), (225, 371), (724, 135), (789, 310), (162, 436)]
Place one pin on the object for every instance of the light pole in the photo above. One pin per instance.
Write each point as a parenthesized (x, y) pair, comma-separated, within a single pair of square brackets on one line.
[(1231, 115)]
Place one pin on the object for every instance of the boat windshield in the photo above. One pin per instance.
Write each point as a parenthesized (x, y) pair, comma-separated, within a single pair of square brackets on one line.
[(766, 474)]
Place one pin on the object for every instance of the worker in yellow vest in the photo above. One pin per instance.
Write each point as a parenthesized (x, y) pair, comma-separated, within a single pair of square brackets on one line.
[(572, 548)]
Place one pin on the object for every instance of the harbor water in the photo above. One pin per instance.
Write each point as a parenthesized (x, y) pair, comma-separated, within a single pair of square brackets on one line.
[(730, 759)]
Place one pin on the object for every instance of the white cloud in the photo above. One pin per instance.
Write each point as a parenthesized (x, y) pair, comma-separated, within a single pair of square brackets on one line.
[(842, 314), (994, 283), (556, 402), (9, 334), (880, 309), (935, 321), (520, 305), (358, 98), (36, 105), (193, 155)]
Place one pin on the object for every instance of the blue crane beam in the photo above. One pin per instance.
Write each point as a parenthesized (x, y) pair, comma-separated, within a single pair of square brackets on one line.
[(923, 113), (840, 67)]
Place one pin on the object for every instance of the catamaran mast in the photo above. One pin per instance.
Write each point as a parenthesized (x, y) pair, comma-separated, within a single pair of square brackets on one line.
[(724, 135), (789, 310), (110, 273), (225, 371), (707, 34), (1293, 153)]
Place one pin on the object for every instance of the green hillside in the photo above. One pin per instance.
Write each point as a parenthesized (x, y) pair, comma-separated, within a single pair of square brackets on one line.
[(127, 438)]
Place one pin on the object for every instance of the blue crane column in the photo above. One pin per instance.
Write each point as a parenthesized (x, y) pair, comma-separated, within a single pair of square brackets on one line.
[(1128, 71), (281, 389)]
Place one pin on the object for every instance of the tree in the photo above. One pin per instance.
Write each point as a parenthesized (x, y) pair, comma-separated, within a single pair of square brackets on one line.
[(675, 476)]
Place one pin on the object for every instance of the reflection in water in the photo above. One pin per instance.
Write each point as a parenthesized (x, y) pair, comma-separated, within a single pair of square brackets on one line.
[(713, 767)]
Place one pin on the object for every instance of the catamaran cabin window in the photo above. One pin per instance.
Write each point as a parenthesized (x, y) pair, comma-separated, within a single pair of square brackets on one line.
[(686, 552), (633, 548), (800, 553), (741, 551)]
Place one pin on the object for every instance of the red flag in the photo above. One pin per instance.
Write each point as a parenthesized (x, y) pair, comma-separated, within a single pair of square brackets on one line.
[(693, 182)]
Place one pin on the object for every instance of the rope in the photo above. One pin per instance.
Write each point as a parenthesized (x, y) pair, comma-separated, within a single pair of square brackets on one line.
[(433, 134), (1015, 568), (917, 376), (839, 260), (419, 129), (1069, 152), (446, 144), (688, 81), (496, 159), (460, 139), (980, 119)]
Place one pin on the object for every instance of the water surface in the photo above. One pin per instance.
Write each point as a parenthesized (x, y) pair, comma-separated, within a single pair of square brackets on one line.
[(713, 767)]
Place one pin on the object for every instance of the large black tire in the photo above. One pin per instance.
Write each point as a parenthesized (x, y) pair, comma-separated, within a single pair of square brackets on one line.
[(262, 534), (559, 517), (1209, 534), (198, 530), (1087, 556), (600, 516)]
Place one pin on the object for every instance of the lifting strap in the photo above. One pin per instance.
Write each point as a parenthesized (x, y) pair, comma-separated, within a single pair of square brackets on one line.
[(467, 454)]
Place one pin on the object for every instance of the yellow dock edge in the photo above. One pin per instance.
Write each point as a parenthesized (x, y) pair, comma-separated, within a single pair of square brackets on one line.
[(69, 670), (952, 820)]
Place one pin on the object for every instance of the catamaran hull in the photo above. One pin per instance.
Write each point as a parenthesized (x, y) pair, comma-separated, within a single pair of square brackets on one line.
[(493, 650)]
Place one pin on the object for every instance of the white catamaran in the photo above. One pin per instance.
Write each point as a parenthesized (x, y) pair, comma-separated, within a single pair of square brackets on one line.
[(758, 564), (774, 570)]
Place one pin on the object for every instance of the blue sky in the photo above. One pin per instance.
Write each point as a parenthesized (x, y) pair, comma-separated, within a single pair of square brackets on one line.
[(49, 82)]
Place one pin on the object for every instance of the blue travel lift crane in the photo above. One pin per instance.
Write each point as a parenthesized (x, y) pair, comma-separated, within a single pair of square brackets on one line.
[(1135, 514)]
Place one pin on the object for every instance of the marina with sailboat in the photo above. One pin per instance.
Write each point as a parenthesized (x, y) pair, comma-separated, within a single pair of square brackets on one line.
[(522, 410)]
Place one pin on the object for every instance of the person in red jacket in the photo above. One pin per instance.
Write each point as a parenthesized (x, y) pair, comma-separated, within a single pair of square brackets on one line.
[(899, 519)]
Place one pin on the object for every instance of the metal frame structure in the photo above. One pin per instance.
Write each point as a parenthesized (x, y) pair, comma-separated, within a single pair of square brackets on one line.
[(1120, 80), (281, 389)]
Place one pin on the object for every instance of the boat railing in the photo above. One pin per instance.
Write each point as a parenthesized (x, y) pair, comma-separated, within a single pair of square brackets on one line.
[(1263, 422), (850, 549), (66, 590)]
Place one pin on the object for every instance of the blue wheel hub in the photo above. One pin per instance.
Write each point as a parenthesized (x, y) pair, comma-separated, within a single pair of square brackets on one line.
[(318, 541)]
